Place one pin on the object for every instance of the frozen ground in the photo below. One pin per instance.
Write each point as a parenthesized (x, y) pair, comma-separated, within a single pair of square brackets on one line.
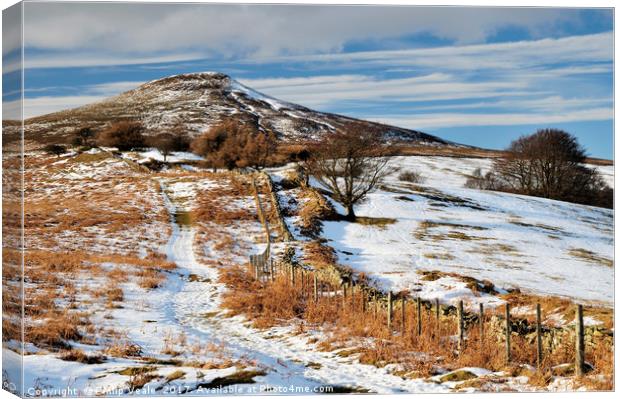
[(511, 240)]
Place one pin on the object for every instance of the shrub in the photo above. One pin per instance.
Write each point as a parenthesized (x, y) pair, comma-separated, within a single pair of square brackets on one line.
[(411, 176), (124, 135), (55, 149), (123, 348), (479, 181), (83, 137)]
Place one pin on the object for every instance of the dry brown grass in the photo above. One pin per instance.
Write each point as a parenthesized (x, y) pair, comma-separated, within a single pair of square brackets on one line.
[(56, 330), (150, 278), (122, 347), (347, 322), (213, 204), (78, 355), (315, 208), (55, 275)]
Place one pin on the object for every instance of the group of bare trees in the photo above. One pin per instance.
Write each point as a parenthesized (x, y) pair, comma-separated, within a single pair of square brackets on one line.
[(130, 135), (549, 164), (124, 135), (351, 162), (231, 144)]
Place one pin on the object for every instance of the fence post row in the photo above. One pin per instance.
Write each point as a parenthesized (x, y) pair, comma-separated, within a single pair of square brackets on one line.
[(260, 262), (263, 263)]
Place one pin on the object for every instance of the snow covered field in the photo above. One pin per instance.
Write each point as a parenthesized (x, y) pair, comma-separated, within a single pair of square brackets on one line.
[(514, 241), (540, 246), (186, 338)]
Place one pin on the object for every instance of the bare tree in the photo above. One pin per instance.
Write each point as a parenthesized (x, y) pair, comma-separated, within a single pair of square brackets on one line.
[(167, 143), (549, 164), (222, 144), (259, 150), (84, 136), (350, 164)]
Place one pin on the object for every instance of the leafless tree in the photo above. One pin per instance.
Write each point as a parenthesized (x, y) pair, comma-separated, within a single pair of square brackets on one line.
[(549, 164), (84, 136), (167, 143), (259, 150), (350, 163)]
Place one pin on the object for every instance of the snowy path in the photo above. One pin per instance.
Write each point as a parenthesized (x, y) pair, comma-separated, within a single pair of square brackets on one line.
[(196, 306)]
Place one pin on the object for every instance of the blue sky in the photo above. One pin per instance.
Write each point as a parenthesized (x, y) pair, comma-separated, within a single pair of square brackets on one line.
[(479, 76)]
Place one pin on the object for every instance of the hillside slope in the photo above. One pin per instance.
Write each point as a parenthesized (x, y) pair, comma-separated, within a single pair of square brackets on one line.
[(541, 246), (198, 100)]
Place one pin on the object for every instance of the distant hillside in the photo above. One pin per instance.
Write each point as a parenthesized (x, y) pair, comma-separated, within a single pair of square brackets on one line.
[(196, 101)]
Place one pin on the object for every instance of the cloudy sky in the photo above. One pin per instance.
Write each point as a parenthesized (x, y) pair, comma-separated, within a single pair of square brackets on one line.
[(480, 76)]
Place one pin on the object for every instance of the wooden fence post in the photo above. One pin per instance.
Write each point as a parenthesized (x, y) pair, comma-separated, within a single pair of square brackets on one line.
[(376, 303), (389, 311), (273, 270), (461, 332), (579, 343), (419, 312), (316, 293), (437, 309), (344, 295), (256, 271), (402, 313), (364, 298), (481, 320), (508, 333), (293, 275), (539, 354)]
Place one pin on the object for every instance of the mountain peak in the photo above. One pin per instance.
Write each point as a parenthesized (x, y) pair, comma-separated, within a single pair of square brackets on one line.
[(206, 75)]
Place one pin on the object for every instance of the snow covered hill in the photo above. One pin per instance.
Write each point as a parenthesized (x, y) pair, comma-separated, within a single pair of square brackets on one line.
[(196, 101), (540, 246)]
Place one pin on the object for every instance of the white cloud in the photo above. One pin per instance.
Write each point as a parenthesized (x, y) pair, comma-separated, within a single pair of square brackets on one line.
[(44, 105), (267, 30), (495, 56), (112, 88), (439, 120), (41, 105), (88, 59), (546, 104), (324, 91)]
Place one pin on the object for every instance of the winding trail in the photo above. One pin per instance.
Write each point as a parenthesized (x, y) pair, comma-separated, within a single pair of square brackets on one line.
[(286, 356)]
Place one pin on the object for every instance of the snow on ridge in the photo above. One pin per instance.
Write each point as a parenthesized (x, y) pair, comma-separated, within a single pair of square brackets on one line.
[(272, 101)]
